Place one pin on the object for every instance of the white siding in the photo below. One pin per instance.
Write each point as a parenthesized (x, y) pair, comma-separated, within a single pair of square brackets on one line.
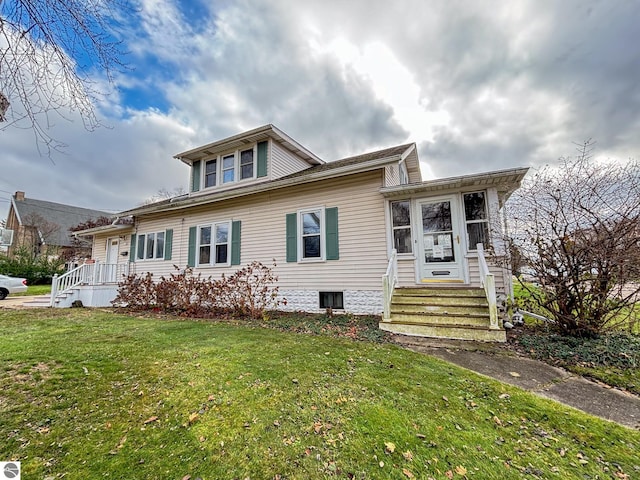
[(361, 230), (282, 162), (391, 175), (495, 267)]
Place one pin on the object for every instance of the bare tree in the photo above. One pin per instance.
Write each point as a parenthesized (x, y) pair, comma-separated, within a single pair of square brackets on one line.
[(165, 194), (577, 228), (49, 52)]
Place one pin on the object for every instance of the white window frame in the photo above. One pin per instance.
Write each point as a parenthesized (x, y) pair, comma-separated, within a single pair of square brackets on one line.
[(402, 227), (403, 172), (204, 173), (237, 167), (473, 248), (212, 246), (300, 234), (156, 255)]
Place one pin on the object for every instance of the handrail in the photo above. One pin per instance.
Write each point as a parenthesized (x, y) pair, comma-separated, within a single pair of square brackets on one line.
[(389, 282), (70, 279), (488, 282), (87, 274)]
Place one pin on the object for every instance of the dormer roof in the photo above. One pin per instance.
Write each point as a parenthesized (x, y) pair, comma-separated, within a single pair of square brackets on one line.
[(245, 139)]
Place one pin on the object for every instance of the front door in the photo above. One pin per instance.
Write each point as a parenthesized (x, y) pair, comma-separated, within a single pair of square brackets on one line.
[(110, 269), (440, 258)]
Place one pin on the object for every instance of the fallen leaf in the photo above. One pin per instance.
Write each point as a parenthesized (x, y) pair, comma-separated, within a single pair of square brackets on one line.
[(408, 455), (407, 473), (150, 419), (448, 474), (186, 477), (381, 464), (276, 423), (504, 396), (514, 374), (389, 447), (460, 470), (211, 398), (497, 421), (193, 417)]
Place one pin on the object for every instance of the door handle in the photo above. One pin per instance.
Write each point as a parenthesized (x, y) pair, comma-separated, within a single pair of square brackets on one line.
[(458, 239)]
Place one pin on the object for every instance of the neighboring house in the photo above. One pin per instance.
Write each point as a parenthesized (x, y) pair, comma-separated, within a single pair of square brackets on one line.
[(43, 227), (333, 228)]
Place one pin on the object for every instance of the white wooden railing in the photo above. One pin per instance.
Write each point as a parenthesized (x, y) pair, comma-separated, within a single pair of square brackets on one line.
[(389, 282), (88, 274), (488, 282)]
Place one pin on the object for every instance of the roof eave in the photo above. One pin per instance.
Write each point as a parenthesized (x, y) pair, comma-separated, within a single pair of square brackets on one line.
[(102, 229), (509, 179), (264, 187), (269, 130)]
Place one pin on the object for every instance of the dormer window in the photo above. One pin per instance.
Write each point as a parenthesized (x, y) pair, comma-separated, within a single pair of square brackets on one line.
[(210, 173), (228, 168), (246, 164)]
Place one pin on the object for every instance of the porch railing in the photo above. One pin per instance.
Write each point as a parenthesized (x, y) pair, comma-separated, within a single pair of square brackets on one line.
[(87, 274), (488, 282), (389, 282)]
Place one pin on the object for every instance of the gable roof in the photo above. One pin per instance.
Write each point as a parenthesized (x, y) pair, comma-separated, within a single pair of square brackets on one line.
[(242, 140), (338, 168), (64, 216)]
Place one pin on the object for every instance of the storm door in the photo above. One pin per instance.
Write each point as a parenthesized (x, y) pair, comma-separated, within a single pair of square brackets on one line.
[(439, 251)]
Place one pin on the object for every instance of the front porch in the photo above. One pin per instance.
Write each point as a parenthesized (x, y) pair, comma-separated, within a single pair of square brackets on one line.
[(461, 312), (94, 284)]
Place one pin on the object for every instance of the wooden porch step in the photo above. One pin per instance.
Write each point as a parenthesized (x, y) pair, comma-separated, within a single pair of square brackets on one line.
[(456, 332), (455, 292), (442, 318)]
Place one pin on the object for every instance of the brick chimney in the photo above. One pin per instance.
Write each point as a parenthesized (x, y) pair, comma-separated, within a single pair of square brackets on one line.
[(19, 196)]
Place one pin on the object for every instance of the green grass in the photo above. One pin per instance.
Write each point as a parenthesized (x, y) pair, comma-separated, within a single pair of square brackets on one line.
[(34, 290), (94, 394)]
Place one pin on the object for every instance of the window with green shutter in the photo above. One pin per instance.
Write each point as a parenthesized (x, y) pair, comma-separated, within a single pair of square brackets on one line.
[(195, 176), (312, 235)]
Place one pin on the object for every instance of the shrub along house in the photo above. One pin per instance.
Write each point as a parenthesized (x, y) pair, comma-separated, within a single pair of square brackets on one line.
[(363, 234)]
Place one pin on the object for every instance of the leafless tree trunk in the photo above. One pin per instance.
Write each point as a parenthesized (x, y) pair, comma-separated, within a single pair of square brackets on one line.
[(49, 50), (577, 228)]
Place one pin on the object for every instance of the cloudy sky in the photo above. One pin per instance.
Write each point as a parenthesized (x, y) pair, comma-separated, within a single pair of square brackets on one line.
[(478, 85)]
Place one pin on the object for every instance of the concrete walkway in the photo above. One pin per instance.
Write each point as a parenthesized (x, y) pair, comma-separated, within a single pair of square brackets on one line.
[(13, 301), (537, 377)]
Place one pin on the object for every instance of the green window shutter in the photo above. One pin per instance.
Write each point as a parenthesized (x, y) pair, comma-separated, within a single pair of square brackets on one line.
[(195, 176), (262, 159), (191, 256), (292, 237), (331, 232), (168, 243), (132, 248), (235, 242)]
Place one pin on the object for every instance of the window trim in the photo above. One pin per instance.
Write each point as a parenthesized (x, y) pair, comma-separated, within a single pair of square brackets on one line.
[(212, 245), (322, 234), (473, 248), (409, 226), (403, 173), (141, 254)]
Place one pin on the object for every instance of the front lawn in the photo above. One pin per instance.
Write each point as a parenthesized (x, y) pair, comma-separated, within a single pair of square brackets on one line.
[(96, 394), (34, 290)]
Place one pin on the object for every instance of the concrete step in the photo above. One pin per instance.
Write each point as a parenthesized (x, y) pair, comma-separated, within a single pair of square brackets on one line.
[(457, 332), (460, 319), (38, 302)]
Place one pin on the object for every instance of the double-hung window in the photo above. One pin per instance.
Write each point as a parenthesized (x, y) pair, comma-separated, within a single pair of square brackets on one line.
[(476, 219), (228, 168), (214, 244), (210, 173), (311, 228), (150, 246), (246, 164), (401, 225)]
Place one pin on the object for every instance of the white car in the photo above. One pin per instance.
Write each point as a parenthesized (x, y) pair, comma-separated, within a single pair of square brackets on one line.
[(11, 285)]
